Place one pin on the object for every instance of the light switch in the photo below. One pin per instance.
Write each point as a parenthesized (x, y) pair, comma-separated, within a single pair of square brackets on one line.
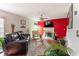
[(77, 33), (75, 12)]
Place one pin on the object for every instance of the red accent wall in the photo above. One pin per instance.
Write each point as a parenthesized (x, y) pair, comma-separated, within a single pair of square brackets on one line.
[(60, 26), (41, 23)]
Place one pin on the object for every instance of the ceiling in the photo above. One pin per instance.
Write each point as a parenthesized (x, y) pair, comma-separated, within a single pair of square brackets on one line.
[(50, 10)]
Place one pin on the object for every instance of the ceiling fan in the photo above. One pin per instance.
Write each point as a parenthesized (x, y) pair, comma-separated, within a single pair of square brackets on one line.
[(42, 17)]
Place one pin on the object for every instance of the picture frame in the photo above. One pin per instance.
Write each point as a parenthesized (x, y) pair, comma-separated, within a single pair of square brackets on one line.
[(23, 23), (70, 16)]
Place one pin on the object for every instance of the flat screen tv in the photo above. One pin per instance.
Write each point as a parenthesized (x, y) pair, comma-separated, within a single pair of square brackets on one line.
[(48, 24)]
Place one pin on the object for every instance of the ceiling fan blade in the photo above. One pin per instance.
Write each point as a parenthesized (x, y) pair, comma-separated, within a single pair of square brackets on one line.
[(45, 18)]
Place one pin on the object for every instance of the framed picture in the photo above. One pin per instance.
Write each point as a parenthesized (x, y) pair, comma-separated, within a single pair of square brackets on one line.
[(70, 16), (23, 23)]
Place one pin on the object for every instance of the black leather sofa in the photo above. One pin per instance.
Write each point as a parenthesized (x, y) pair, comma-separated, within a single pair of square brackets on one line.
[(16, 36)]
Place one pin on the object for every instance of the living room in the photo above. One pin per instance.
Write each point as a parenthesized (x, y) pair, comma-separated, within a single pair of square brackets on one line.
[(36, 26)]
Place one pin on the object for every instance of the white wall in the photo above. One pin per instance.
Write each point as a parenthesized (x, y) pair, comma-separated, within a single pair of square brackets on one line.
[(11, 19), (73, 40)]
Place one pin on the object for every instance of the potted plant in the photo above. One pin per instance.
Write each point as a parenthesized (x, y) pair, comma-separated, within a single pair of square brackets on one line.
[(1, 41), (57, 49)]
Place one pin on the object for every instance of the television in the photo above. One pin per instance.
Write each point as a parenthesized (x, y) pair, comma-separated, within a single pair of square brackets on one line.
[(48, 24)]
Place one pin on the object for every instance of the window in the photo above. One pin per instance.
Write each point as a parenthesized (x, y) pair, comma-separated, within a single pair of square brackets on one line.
[(1, 27), (1, 32)]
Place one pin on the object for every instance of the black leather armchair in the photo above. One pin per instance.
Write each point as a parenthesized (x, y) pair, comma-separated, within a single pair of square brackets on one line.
[(15, 36)]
